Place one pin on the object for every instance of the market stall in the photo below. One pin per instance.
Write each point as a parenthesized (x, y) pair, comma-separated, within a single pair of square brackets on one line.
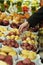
[(16, 48)]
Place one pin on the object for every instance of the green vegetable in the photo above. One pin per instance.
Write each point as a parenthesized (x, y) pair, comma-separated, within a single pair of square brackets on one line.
[(19, 9), (14, 4), (1, 1), (2, 7), (19, 3), (26, 3), (8, 2)]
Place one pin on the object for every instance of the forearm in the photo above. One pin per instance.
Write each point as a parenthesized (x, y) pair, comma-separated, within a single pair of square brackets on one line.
[(36, 18)]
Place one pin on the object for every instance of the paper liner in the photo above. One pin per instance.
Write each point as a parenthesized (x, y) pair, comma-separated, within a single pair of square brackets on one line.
[(36, 63), (35, 60)]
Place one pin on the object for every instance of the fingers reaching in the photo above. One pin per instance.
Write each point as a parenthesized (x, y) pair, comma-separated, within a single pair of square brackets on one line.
[(23, 27)]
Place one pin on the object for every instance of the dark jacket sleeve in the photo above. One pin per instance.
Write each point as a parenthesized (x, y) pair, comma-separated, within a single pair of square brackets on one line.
[(36, 18)]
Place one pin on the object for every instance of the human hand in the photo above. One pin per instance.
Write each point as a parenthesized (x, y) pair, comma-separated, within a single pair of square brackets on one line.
[(23, 27)]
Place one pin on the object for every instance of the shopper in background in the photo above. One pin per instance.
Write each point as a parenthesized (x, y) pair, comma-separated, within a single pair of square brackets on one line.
[(36, 18)]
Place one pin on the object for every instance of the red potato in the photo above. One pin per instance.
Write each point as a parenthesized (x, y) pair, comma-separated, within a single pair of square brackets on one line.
[(5, 22), (32, 63), (22, 44), (12, 44), (34, 49), (23, 47), (2, 57), (20, 63), (13, 25), (4, 42), (28, 48), (16, 45), (9, 34), (1, 40), (9, 45), (25, 44), (31, 46), (0, 22), (8, 57), (35, 29), (8, 42), (27, 61), (12, 40), (24, 38), (12, 33), (8, 60)]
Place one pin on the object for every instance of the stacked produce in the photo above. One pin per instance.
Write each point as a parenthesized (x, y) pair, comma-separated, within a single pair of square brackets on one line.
[(19, 6), (25, 62), (16, 48), (28, 54), (6, 54), (11, 43)]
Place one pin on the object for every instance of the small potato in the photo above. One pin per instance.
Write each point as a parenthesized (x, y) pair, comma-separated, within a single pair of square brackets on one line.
[(2, 57), (27, 61)]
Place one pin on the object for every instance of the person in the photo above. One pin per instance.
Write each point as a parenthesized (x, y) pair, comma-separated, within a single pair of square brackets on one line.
[(36, 18)]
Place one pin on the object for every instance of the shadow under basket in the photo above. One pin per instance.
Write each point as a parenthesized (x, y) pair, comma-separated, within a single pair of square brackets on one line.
[(40, 52)]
